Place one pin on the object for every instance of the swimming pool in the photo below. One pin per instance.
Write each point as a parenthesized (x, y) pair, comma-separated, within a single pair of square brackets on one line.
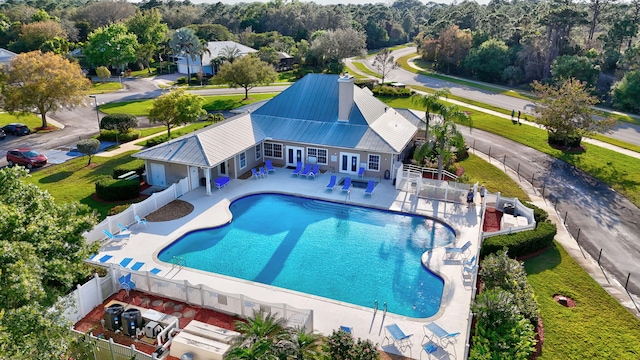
[(342, 252)]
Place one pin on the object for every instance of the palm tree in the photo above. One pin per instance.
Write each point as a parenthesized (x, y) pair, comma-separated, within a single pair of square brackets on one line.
[(431, 103), (446, 134), (230, 53), (203, 49), (261, 350), (186, 43), (303, 345), (260, 326)]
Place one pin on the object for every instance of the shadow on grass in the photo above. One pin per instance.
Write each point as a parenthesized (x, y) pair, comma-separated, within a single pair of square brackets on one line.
[(55, 177), (547, 260), (222, 104)]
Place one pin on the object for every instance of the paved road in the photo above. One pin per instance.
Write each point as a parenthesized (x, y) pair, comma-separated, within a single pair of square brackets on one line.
[(83, 121), (626, 132)]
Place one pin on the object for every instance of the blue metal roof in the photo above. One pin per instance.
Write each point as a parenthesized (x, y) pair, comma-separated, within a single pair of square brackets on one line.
[(314, 97)]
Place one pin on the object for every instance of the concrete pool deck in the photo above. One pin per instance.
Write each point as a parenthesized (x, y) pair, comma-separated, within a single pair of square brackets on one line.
[(146, 242)]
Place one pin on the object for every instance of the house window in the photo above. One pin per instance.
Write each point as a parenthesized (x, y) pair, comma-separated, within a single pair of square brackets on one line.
[(258, 151), (243, 160), (273, 150), (319, 154), (374, 163)]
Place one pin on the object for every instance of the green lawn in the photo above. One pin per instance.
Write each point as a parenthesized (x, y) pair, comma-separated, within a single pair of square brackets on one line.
[(162, 131), (75, 181), (494, 179), (211, 103), (31, 120), (362, 68), (106, 87), (597, 328), (619, 171)]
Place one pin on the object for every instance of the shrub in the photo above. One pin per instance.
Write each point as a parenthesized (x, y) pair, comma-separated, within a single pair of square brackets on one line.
[(498, 271), (115, 190), (135, 165), (120, 122), (341, 346), (115, 136), (391, 91), (181, 80), (118, 209), (369, 83), (156, 140), (538, 214), (521, 243), (501, 331)]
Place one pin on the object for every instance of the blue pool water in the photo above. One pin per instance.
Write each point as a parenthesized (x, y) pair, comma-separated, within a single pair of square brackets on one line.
[(342, 252)]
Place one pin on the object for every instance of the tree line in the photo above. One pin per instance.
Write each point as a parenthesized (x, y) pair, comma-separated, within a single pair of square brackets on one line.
[(502, 42)]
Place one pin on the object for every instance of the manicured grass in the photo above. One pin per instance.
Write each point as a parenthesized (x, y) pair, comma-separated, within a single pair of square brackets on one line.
[(176, 132), (494, 179), (362, 68), (393, 48), (211, 103), (616, 142), (75, 181), (619, 171), (106, 87), (597, 328), (152, 130), (31, 120)]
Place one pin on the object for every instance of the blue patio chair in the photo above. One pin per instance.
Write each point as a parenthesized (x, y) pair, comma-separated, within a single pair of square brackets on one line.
[(126, 283), (347, 184), (139, 221), (125, 262), (453, 252), (347, 329), (370, 186), (431, 348), (439, 333), (332, 182), (469, 262), (361, 172), (315, 172), (105, 258), (263, 172), (221, 182), (269, 166), (297, 170), (306, 171), (155, 271), (123, 228), (255, 173), (400, 339), (137, 266), (119, 236), (468, 272)]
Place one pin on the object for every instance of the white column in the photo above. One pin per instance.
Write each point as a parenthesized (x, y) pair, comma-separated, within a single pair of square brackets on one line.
[(207, 175)]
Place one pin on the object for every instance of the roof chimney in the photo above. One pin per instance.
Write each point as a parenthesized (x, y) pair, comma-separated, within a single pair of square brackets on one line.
[(345, 97)]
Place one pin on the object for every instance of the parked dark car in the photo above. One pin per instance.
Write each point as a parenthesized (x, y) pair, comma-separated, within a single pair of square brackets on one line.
[(16, 129), (2, 134), (26, 157)]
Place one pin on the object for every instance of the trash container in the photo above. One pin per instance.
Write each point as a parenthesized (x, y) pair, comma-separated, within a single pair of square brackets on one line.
[(509, 208)]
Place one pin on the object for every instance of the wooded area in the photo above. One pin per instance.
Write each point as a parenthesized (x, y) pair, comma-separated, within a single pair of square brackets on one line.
[(503, 42)]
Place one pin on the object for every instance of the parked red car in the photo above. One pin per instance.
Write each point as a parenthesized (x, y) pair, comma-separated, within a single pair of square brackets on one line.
[(26, 157)]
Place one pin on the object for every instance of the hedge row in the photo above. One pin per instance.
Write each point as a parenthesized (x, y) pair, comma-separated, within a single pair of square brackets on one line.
[(135, 165), (521, 243), (113, 135), (391, 91), (115, 190)]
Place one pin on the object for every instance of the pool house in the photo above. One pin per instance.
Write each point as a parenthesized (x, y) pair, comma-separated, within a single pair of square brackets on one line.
[(321, 119)]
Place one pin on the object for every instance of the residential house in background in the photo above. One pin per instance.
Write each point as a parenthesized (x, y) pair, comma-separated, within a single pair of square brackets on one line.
[(321, 119), (6, 56), (285, 62), (216, 49)]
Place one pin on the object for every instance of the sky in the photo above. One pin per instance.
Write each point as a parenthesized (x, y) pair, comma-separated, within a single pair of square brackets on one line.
[(326, 2)]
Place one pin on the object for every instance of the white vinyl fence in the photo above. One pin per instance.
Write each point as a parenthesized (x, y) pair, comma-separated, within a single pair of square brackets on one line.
[(142, 209), (497, 201), (410, 178), (209, 298), (109, 350)]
